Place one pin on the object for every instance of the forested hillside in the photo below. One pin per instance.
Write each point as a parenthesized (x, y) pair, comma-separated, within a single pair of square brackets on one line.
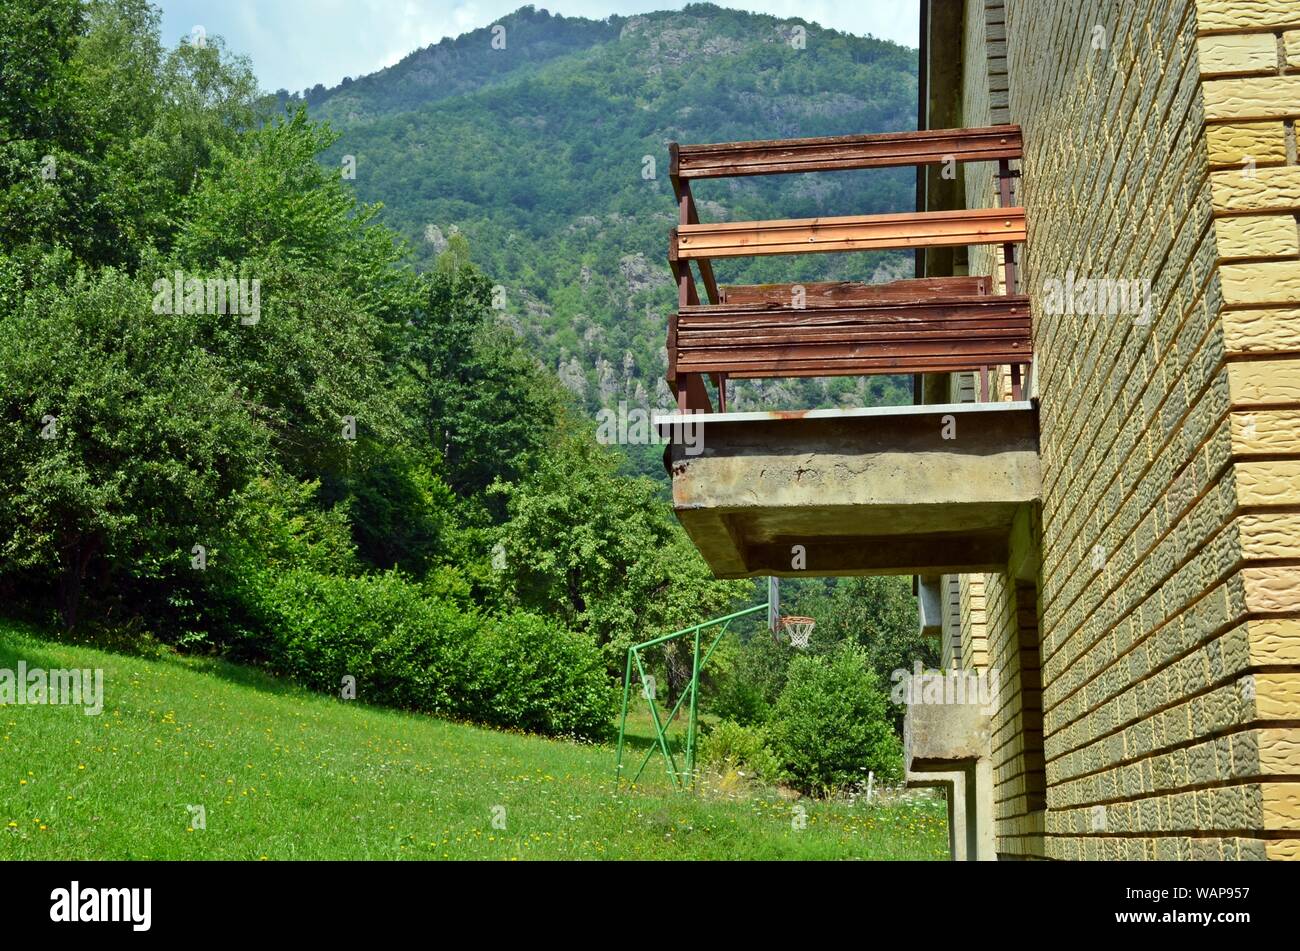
[(537, 153)]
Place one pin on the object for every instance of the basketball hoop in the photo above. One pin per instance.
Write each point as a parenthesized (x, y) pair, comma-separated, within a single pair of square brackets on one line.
[(798, 629)]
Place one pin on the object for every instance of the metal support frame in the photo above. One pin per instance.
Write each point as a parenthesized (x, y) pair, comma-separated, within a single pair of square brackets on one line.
[(678, 777)]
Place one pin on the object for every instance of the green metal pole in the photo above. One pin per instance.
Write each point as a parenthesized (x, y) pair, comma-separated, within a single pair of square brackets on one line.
[(697, 665), (709, 623), (659, 729), (677, 706), (695, 694), (671, 714), (622, 727)]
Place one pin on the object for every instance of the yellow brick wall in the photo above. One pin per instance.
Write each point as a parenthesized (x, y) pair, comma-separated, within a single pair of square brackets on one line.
[(1160, 144), (953, 640), (968, 590), (989, 628), (974, 628)]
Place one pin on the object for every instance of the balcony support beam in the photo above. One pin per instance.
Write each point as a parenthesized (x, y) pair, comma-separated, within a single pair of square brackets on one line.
[(890, 490)]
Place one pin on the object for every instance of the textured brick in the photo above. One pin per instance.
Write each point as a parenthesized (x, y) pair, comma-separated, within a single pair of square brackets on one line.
[(1274, 590), (1282, 850), (1245, 14), (1255, 97), (1262, 282), (1274, 641), (1262, 331), (1257, 382), (1232, 144), (1264, 189), (1273, 535), (1257, 236), (1223, 55)]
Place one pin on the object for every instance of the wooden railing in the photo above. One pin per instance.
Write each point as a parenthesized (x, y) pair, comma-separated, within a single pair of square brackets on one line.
[(840, 152), (843, 328), (853, 339)]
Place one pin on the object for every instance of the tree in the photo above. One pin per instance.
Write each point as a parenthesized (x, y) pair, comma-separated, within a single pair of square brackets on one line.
[(603, 553), (123, 442), (880, 614), (101, 132), (481, 401), (332, 297), (831, 724)]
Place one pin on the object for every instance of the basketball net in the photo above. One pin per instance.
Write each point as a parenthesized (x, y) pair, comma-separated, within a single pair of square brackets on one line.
[(797, 629)]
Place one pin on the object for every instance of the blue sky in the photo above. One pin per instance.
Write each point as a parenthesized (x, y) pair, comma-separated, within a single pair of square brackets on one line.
[(295, 44)]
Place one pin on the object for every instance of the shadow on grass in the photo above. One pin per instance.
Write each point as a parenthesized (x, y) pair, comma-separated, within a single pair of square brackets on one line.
[(22, 640)]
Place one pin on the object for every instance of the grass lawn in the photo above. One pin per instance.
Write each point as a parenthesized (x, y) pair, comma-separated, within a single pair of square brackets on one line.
[(285, 774)]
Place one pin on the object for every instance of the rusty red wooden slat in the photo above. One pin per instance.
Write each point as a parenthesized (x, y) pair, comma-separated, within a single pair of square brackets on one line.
[(848, 233), (816, 293), (1008, 338), (992, 309), (837, 153), (891, 366), (975, 352), (746, 340)]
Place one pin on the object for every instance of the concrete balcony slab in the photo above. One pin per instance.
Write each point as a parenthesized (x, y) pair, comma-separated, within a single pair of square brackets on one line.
[(928, 489)]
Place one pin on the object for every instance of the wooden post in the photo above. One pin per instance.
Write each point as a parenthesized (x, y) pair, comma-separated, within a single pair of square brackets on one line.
[(1008, 250)]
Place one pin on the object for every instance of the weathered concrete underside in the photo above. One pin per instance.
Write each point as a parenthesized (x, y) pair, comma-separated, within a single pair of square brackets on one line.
[(892, 490)]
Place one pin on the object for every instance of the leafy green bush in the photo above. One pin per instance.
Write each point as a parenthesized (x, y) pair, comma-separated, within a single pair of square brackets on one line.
[(404, 649), (880, 614), (535, 675), (408, 648), (728, 745), (754, 676), (831, 723)]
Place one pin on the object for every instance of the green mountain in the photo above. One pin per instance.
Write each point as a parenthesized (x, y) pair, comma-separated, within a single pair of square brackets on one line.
[(550, 156)]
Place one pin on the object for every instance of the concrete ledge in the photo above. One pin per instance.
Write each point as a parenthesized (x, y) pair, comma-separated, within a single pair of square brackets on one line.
[(891, 490), (949, 745), (938, 735)]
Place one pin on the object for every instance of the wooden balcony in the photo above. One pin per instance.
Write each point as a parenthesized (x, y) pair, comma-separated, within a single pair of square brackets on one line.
[(852, 338), (844, 328)]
